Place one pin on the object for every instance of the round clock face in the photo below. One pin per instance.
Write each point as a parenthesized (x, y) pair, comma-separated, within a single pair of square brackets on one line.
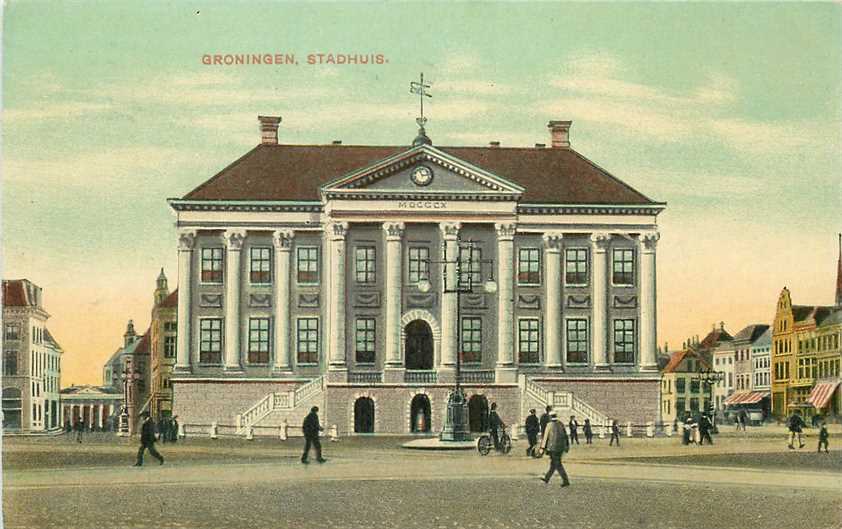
[(422, 175)]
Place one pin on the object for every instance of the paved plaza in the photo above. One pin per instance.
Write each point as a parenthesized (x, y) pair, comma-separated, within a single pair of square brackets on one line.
[(749, 481)]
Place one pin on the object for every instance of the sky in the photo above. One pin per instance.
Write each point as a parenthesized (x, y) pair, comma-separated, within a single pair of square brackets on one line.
[(728, 112)]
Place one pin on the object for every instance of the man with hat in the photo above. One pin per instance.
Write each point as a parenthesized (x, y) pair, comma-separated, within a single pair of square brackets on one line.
[(311, 428), (147, 440), (556, 443), (532, 429)]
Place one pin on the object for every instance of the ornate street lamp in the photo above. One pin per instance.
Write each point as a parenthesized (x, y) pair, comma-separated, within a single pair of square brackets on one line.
[(456, 427), (708, 377)]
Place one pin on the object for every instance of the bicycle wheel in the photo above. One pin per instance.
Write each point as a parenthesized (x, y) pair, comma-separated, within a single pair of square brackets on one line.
[(506, 444), (484, 445)]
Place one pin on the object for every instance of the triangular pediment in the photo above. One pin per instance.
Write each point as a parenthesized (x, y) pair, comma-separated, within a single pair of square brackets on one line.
[(422, 170)]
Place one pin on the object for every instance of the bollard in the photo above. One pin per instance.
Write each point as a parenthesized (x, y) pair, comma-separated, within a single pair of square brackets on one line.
[(283, 433), (181, 433), (334, 433), (213, 428), (668, 429), (628, 429), (250, 433), (603, 431), (650, 429), (515, 430)]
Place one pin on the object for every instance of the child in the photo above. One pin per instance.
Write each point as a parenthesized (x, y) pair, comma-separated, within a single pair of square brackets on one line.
[(823, 435)]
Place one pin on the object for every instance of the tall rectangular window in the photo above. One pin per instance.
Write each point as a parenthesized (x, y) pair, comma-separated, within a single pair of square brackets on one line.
[(10, 363), (211, 265), (258, 340), (12, 331), (577, 341), (169, 346), (576, 266), (529, 266), (623, 266), (210, 341), (694, 386), (364, 338), (364, 264), (529, 336), (419, 263), (680, 385), (260, 265), (307, 264), (308, 340), (624, 341), (471, 340), (470, 260)]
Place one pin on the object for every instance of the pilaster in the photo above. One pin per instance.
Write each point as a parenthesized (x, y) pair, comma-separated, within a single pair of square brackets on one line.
[(505, 368), (450, 236), (234, 243), (648, 302), (337, 358), (282, 241), (186, 241), (552, 315), (599, 280), (393, 234)]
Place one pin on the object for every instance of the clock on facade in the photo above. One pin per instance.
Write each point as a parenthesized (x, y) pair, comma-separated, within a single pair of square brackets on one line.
[(422, 175)]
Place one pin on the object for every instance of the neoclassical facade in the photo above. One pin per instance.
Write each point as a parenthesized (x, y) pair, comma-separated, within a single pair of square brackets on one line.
[(327, 274)]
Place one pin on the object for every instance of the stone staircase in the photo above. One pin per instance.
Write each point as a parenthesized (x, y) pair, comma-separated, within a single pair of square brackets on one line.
[(279, 403), (564, 403)]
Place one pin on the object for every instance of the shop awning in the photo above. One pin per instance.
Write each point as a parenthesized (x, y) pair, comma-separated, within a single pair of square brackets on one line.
[(821, 394), (746, 397)]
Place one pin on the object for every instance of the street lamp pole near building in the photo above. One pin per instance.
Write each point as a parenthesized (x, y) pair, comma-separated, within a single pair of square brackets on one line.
[(708, 377), (456, 427)]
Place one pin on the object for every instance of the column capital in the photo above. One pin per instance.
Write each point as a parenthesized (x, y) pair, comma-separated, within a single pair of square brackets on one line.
[(394, 230), (234, 239), (450, 230), (186, 240), (600, 240), (338, 230), (552, 241), (649, 240), (506, 230), (282, 239)]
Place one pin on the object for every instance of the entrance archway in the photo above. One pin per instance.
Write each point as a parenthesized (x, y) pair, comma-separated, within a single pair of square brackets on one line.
[(364, 415), (478, 413), (419, 345), (420, 414)]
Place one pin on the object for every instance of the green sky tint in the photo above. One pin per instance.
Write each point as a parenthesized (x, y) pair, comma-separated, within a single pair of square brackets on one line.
[(729, 112)]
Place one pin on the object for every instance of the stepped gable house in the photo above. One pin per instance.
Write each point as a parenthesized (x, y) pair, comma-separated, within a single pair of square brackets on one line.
[(314, 275)]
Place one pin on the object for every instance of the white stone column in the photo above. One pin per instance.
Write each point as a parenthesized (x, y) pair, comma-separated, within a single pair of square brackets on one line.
[(234, 242), (599, 303), (186, 241), (505, 294), (338, 231), (648, 302), (282, 240), (101, 416), (393, 232), (552, 313), (450, 234)]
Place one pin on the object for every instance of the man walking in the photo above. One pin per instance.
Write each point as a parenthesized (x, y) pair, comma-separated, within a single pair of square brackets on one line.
[(574, 429), (495, 423), (705, 427), (556, 443), (311, 429), (79, 427), (588, 430), (796, 423), (545, 418), (615, 433), (147, 440), (532, 429), (823, 437)]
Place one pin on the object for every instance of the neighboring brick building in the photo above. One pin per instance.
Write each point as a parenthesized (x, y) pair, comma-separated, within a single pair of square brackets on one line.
[(163, 329), (682, 393), (31, 361), (313, 274)]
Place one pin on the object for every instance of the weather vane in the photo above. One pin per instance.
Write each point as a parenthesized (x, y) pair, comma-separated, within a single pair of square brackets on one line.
[(421, 89)]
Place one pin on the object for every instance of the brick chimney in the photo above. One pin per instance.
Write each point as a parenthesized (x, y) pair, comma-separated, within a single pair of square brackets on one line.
[(269, 129), (559, 134)]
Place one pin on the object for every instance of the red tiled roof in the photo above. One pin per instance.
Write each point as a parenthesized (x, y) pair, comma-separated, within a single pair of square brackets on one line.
[(14, 295), (678, 356), (714, 337), (295, 172), (171, 300)]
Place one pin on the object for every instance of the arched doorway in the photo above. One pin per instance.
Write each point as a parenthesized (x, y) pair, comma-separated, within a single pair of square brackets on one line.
[(419, 345), (478, 413), (364, 415), (420, 414)]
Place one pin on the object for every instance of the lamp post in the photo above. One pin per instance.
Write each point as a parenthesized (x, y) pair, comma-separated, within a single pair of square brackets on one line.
[(456, 427), (129, 377)]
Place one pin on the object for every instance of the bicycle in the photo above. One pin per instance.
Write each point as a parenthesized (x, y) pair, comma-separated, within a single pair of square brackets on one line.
[(485, 443)]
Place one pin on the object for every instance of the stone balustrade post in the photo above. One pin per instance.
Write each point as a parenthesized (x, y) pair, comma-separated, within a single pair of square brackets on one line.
[(284, 430), (628, 429), (214, 430)]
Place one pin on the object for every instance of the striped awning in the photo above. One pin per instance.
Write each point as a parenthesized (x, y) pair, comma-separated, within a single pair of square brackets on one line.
[(821, 394), (746, 397)]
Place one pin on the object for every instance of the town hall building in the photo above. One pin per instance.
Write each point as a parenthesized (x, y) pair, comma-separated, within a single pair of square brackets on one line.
[(359, 278)]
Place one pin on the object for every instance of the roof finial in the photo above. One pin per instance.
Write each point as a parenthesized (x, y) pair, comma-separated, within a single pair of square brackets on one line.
[(421, 89)]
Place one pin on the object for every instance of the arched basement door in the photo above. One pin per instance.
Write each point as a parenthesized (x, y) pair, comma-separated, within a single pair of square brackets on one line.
[(419, 345), (478, 413), (364, 415), (420, 413)]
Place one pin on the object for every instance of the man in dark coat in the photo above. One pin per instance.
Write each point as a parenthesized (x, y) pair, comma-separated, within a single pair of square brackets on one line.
[(555, 442), (174, 429), (705, 426), (532, 430), (545, 418), (79, 428), (588, 430), (147, 440), (574, 429), (615, 434), (823, 437), (311, 429), (495, 423), (796, 423)]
